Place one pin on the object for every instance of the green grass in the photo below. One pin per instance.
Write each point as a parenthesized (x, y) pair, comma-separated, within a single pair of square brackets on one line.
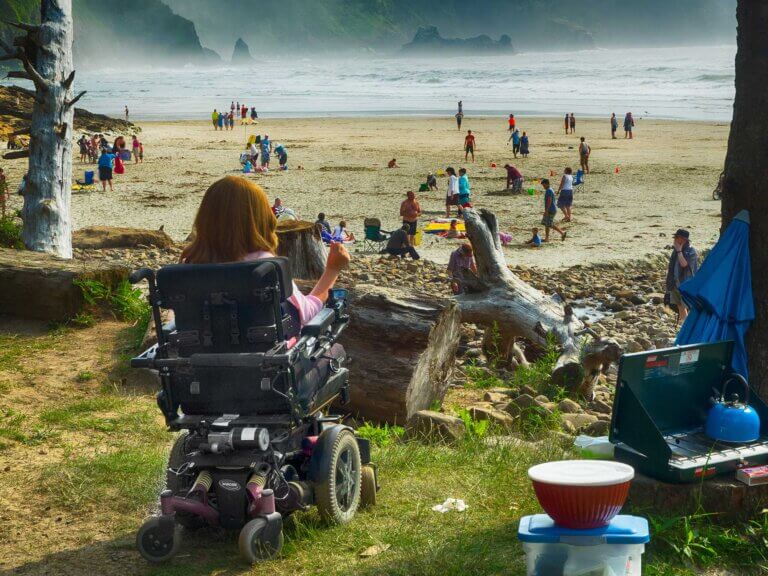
[(126, 480), (15, 427), (381, 435), (481, 378), (127, 303), (85, 376), (14, 348)]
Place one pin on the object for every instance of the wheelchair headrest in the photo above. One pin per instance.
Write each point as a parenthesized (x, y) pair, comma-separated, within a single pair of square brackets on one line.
[(243, 277)]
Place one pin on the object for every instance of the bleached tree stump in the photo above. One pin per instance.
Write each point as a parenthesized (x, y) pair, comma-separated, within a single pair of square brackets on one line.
[(45, 52), (518, 310)]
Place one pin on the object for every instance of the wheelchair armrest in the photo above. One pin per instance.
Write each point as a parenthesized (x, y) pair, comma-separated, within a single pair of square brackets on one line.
[(318, 325), (146, 359), (228, 360)]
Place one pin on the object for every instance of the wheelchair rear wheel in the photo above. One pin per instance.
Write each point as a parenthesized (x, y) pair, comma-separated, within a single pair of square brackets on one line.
[(181, 483), (337, 494)]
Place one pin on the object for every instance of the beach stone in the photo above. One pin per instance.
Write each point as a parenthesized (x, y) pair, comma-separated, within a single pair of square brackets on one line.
[(568, 427), (99, 237), (601, 407), (579, 421), (525, 401), (40, 286), (495, 397), (493, 415), (512, 409), (569, 406), (435, 426), (599, 428), (541, 399), (656, 297)]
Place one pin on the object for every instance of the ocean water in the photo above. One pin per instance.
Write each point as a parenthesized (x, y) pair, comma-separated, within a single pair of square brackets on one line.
[(677, 83)]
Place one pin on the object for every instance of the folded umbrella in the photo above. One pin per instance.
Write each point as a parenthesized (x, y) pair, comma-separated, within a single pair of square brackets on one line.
[(720, 295)]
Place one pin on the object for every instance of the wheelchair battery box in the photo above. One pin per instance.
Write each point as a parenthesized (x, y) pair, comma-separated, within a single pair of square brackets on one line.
[(232, 499)]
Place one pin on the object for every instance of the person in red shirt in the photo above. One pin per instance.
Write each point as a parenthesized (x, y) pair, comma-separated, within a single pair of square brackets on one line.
[(512, 122), (514, 178), (469, 145)]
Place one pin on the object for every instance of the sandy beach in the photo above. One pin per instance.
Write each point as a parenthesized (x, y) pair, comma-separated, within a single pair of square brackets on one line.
[(665, 179)]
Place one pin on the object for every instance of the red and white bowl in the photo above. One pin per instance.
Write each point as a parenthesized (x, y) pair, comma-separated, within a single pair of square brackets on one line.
[(581, 494)]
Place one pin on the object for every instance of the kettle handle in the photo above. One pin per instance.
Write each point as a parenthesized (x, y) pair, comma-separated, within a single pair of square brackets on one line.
[(740, 379)]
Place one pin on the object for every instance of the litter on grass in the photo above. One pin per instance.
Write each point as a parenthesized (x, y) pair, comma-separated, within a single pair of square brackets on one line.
[(450, 504)]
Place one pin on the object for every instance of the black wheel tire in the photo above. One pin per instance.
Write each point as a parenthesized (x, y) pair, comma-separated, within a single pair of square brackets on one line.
[(337, 493), (253, 547), (180, 485), (153, 547), (367, 487)]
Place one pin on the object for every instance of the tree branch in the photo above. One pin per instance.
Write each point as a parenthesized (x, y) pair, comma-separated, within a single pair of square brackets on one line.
[(40, 83), (67, 84), (19, 74), (74, 100), (22, 26)]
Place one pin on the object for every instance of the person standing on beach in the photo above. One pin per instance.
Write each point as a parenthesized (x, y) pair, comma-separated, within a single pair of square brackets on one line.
[(515, 138), (512, 122), (614, 125), (232, 108), (215, 119), (524, 143), (572, 123), (231, 120), (266, 150), (465, 191), (565, 194), (683, 265), (469, 145), (243, 114), (220, 120), (459, 118), (253, 114), (629, 123), (136, 147), (452, 194), (106, 161), (567, 123), (126, 113), (584, 152), (410, 210), (461, 107), (550, 209)]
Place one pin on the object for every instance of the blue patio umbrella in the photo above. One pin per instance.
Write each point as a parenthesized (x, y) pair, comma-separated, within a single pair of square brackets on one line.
[(720, 295)]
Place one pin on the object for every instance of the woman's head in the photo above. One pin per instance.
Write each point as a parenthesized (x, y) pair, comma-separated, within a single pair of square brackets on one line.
[(410, 195), (467, 249), (234, 220)]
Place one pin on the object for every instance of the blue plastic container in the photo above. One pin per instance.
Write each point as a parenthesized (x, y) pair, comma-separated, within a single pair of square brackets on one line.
[(613, 550)]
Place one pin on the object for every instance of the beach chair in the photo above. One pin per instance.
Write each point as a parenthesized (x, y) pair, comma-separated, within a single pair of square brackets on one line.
[(578, 181), (374, 236), (86, 184)]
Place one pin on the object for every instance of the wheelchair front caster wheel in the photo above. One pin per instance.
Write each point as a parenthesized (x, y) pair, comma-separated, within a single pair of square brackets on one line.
[(367, 487), (158, 539), (256, 544)]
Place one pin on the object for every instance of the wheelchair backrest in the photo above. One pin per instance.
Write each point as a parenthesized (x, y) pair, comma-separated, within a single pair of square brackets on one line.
[(237, 307)]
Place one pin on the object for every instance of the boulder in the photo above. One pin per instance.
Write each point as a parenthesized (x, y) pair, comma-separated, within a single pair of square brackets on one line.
[(241, 53), (496, 417), (569, 406), (41, 286), (495, 398), (578, 421), (435, 426), (100, 237), (599, 428)]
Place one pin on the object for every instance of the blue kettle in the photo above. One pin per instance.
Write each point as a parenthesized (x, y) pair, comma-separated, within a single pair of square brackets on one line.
[(731, 420)]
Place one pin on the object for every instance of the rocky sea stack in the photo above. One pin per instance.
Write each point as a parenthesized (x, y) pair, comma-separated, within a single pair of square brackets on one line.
[(242, 54), (428, 40)]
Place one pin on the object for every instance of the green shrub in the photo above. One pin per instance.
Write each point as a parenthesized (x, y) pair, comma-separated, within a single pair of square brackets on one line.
[(475, 428), (380, 435), (127, 303), (535, 421), (10, 232)]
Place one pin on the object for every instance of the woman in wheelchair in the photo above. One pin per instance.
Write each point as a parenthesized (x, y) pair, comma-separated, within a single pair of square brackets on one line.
[(235, 223), (246, 374)]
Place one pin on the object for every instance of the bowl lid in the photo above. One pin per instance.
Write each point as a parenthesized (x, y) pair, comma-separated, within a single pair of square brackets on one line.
[(582, 473)]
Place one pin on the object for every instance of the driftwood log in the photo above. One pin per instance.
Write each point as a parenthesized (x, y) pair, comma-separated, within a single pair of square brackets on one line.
[(300, 242), (498, 297), (402, 348)]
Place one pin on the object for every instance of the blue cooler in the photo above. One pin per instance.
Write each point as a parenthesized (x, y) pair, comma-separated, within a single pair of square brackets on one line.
[(614, 550)]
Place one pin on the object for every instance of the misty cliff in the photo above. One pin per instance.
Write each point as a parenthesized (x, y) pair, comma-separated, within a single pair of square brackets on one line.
[(120, 33), (303, 25)]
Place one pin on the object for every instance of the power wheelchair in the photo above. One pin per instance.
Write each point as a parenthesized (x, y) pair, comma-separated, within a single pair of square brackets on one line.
[(247, 388)]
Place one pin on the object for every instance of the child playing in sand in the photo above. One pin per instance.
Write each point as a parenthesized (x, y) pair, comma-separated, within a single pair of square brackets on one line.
[(392, 164), (535, 241), (550, 209), (340, 233), (431, 181)]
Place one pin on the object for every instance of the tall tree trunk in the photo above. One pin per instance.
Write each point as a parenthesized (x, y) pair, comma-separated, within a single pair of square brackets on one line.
[(46, 54), (746, 169)]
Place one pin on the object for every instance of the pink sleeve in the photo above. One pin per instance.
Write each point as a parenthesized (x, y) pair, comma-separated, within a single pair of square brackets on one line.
[(308, 306)]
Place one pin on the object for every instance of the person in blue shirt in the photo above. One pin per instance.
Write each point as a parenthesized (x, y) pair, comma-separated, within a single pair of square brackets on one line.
[(535, 241), (515, 138), (106, 162), (550, 209), (282, 156), (464, 189), (266, 150)]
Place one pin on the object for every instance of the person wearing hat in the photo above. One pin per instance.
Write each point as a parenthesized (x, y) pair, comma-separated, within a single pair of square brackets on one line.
[(683, 264)]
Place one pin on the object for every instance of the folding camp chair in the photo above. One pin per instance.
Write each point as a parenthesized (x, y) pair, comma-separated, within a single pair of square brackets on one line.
[(374, 236), (87, 184)]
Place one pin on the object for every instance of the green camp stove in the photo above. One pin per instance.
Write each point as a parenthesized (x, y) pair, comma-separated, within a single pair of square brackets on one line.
[(660, 409)]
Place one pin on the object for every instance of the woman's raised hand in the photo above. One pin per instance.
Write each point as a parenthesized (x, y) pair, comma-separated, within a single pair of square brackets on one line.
[(338, 257)]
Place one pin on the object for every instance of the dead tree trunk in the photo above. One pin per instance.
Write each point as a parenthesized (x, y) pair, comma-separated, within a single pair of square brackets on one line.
[(45, 52), (746, 169), (500, 298), (402, 349), (300, 242)]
